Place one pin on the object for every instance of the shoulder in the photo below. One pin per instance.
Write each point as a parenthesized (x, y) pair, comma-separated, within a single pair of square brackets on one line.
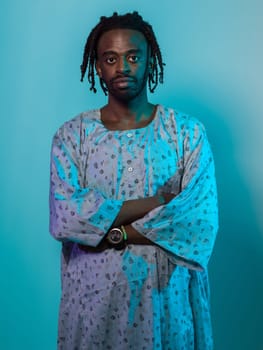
[(183, 123), (78, 124)]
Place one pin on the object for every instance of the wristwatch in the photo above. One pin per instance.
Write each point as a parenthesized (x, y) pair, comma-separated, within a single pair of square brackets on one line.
[(116, 238)]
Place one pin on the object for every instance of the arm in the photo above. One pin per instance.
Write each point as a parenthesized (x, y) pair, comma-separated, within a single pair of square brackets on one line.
[(133, 210), (74, 209), (78, 213), (186, 227)]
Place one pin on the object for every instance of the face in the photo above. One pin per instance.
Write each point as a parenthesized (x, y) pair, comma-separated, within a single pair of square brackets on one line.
[(122, 63)]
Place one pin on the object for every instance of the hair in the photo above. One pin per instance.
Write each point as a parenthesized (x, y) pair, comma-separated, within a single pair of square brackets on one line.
[(128, 21)]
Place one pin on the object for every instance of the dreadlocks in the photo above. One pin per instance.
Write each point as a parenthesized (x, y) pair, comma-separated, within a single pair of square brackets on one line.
[(128, 21)]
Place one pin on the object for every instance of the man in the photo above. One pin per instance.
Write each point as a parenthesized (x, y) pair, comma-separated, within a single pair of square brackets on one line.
[(133, 201)]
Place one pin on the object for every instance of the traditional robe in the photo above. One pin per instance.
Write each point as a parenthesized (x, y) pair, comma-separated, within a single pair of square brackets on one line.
[(144, 296)]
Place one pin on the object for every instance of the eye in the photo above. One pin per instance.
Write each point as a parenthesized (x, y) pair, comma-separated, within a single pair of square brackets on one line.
[(110, 60), (133, 59)]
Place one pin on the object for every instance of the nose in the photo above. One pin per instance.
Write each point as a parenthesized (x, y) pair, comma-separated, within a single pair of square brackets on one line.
[(123, 65)]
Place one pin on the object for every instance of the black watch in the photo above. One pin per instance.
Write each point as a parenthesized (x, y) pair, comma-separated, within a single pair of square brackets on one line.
[(115, 238)]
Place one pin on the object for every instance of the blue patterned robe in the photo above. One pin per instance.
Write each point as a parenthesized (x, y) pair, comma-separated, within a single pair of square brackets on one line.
[(142, 297)]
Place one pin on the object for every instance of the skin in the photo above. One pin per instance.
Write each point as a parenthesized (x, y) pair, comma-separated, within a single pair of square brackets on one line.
[(122, 53), (123, 63)]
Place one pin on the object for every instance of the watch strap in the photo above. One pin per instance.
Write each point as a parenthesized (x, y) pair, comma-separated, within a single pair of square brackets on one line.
[(125, 235)]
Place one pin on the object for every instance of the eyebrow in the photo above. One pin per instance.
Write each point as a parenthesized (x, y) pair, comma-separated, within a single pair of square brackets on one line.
[(131, 51)]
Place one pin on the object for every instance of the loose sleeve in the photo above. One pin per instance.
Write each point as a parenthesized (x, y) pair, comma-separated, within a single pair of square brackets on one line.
[(187, 226), (77, 213)]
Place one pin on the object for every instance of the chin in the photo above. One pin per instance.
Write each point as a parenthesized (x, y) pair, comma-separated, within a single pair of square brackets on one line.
[(125, 95)]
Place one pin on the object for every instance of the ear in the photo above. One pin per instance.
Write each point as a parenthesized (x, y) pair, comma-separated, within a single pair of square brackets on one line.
[(98, 69)]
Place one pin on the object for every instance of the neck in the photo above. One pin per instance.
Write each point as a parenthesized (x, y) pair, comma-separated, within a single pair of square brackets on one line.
[(127, 114)]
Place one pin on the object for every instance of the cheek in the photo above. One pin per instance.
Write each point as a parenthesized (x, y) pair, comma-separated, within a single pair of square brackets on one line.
[(142, 70), (101, 70), (106, 71)]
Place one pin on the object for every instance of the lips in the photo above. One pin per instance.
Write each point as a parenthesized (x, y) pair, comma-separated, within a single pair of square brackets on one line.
[(123, 82)]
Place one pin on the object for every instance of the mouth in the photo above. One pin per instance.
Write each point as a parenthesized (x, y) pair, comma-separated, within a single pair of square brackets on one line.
[(123, 83)]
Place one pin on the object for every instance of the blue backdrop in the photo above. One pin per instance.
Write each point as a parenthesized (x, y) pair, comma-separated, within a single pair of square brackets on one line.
[(213, 53)]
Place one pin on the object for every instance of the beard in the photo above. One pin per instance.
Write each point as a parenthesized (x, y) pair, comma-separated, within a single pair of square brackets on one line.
[(128, 92)]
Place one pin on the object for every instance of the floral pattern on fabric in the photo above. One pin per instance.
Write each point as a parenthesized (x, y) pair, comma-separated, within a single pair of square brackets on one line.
[(143, 297)]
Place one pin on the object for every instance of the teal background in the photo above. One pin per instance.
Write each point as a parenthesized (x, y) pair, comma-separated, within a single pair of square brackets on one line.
[(213, 53)]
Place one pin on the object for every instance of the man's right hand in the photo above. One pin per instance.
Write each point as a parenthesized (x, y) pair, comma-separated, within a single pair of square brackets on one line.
[(135, 209)]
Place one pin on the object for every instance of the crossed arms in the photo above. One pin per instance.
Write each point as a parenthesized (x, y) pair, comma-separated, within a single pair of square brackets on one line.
[(185, 225)]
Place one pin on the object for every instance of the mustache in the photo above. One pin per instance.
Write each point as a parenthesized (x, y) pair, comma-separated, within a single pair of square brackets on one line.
[(122, 76)]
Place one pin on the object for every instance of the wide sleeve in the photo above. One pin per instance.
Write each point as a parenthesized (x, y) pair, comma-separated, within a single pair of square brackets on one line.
[(78, 213), (187, 226)]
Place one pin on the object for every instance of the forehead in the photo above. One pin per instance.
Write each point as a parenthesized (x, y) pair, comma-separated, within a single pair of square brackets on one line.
[(121, 40)]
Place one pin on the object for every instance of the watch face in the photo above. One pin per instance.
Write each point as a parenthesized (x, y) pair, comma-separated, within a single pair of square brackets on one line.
[(116, 236)]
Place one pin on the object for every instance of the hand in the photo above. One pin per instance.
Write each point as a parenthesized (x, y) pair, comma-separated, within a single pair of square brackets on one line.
[(135, 209), (167, 197)]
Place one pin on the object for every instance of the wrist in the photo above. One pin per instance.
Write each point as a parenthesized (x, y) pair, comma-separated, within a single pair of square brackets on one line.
[(117, 238), (125, 234), (136, 237)]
